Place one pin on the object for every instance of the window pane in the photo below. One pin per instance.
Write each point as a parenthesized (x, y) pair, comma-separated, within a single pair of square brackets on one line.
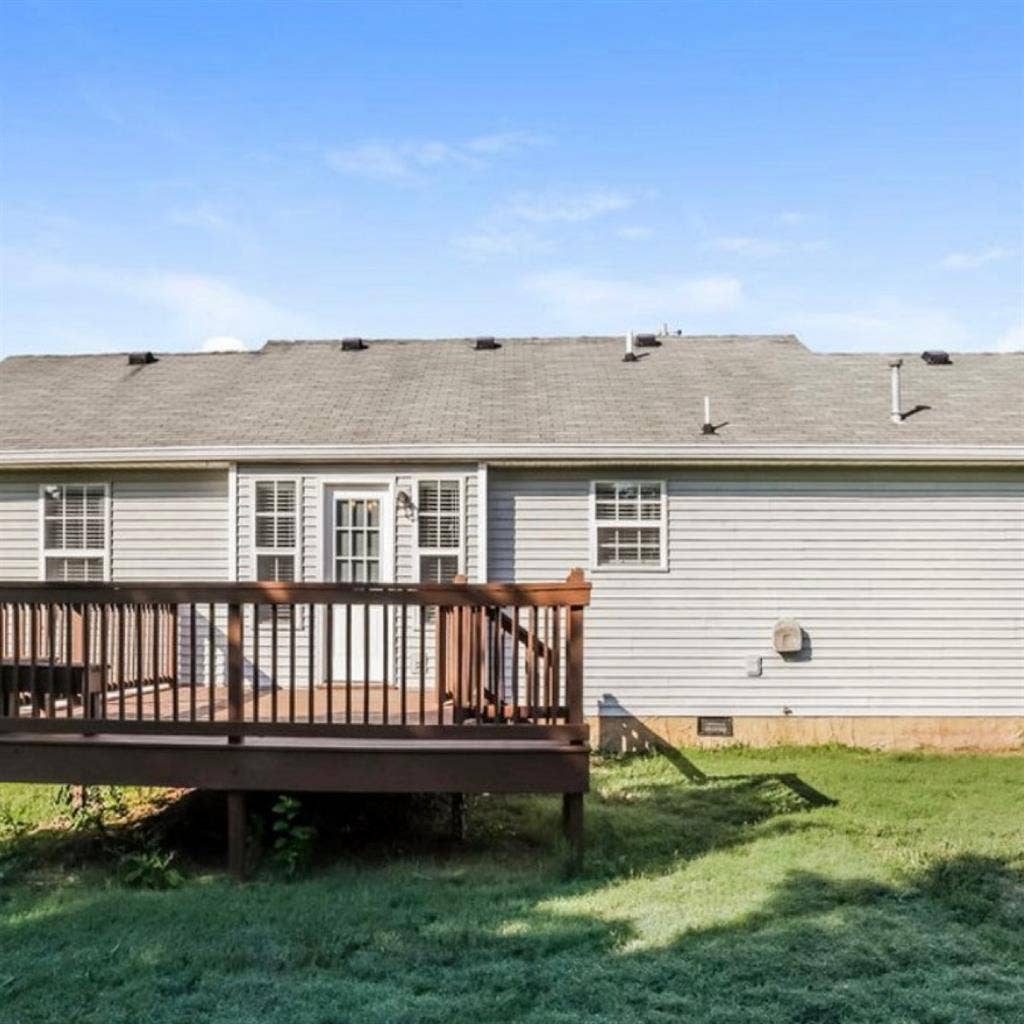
[(264, 531), (449, 533), (265, 496), (95, 533), (438, 568), (286, 531), (276, 568), (373, 544), (94, 501), (374, 572), (358, 513), (428, 499), (286, 496), (428, 532), (373, 513), (342, 548), (74, 533), (54, 533)]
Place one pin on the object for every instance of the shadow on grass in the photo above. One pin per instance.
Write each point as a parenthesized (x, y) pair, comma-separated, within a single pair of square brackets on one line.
[(942, 946)]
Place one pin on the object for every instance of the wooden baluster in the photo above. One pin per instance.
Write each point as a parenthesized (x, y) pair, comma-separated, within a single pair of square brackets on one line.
[(440, 660), (273, 663), (174, 653), (310, 660), (192, 661), (235, 669), (51, 709), (348, 664), (556, 664), (385, 663), (329, 666), (515, 662), (211, 659), (256, 632), (33, 654), (122, 664), (86, 661), (67, 637), (366, 664), (531, 665), (291, 663), (155, 640), (423, 664), (140, 668), (104, 656), (403, 666)]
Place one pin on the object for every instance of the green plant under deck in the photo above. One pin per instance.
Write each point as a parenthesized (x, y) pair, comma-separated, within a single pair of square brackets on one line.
[(780, 886)]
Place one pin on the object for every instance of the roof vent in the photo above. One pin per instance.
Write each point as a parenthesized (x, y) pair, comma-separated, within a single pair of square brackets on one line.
[(647, 341), (486, 345), (353, 345), (936, 357), (141, 358)]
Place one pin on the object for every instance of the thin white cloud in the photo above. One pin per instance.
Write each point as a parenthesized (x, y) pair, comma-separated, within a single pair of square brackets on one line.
[(569, 208), (203, 217), (792, 218), (408, 161), (496, 241), (971, 260), (197, 305), (500, 143), (585, 302), (746, 245), (634, 232), (886, 327)]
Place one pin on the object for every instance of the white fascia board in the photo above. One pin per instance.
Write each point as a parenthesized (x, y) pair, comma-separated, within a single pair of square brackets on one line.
[(645, 454)]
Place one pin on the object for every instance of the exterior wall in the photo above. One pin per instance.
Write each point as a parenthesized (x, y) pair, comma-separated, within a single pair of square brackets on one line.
[(167, 525), (909, 585)]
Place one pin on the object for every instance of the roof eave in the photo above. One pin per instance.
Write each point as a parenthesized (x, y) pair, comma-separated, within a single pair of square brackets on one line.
[(523, 454)]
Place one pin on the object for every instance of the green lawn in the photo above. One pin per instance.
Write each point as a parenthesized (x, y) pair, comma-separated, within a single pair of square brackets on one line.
[(787, 885)]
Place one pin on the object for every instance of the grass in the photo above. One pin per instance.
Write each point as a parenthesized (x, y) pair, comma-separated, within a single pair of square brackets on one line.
[(736, 886)]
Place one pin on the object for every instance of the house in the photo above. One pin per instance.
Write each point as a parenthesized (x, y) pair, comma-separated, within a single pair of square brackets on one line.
[(782, 545)]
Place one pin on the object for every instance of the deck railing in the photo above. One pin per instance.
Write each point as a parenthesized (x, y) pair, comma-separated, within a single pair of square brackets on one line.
[(314, 659)]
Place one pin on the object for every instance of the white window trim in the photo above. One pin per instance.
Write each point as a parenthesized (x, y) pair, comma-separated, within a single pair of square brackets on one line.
[(661, 523), (460, 552), (296, 549), (45, 552)]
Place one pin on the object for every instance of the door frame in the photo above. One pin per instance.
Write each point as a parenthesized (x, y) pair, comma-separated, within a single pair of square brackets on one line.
[(381, 485)]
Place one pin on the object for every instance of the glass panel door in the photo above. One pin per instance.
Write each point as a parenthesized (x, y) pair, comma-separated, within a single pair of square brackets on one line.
[(358, 552)]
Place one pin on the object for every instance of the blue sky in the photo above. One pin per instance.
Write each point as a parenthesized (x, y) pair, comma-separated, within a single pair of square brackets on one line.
[(172, 173)]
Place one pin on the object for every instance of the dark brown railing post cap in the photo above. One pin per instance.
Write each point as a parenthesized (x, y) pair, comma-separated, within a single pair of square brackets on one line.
[(576, 575)]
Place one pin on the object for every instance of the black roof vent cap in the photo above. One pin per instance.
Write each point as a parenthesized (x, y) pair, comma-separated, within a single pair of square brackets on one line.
[(486, 345), (141, 358), (353, 345), (936, 357), (647, 341)]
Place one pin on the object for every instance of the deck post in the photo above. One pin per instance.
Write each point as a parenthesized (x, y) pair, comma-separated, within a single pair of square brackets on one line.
[(236, 834)]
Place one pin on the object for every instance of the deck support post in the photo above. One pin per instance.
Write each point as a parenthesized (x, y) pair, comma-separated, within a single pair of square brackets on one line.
[(572, 829), (236, 834), (458, 819)]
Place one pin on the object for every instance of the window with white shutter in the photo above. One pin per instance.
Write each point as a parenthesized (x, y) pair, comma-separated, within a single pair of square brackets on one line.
[(75, 532), (628, 524), (440, 530), (276, 530)]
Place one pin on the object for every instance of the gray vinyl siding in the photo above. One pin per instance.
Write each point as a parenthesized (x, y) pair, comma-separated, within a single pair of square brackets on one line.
[(19, 528), (909, 585), (168, 525)]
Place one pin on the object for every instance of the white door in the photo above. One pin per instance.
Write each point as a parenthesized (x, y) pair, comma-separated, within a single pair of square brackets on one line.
[(359, 550)]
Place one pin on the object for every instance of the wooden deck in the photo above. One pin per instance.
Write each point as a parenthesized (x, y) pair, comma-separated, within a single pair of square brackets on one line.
[(105, 684)]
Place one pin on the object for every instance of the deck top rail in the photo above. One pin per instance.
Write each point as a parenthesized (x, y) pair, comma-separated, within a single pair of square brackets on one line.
[(402, 661)]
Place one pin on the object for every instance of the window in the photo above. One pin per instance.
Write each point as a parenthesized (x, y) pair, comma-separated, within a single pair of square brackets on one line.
[(629, 523), (276, 530), (74, 532), (439, 530)]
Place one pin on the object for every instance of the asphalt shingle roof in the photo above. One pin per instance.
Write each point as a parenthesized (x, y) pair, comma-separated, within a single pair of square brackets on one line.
[(764, 389)]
